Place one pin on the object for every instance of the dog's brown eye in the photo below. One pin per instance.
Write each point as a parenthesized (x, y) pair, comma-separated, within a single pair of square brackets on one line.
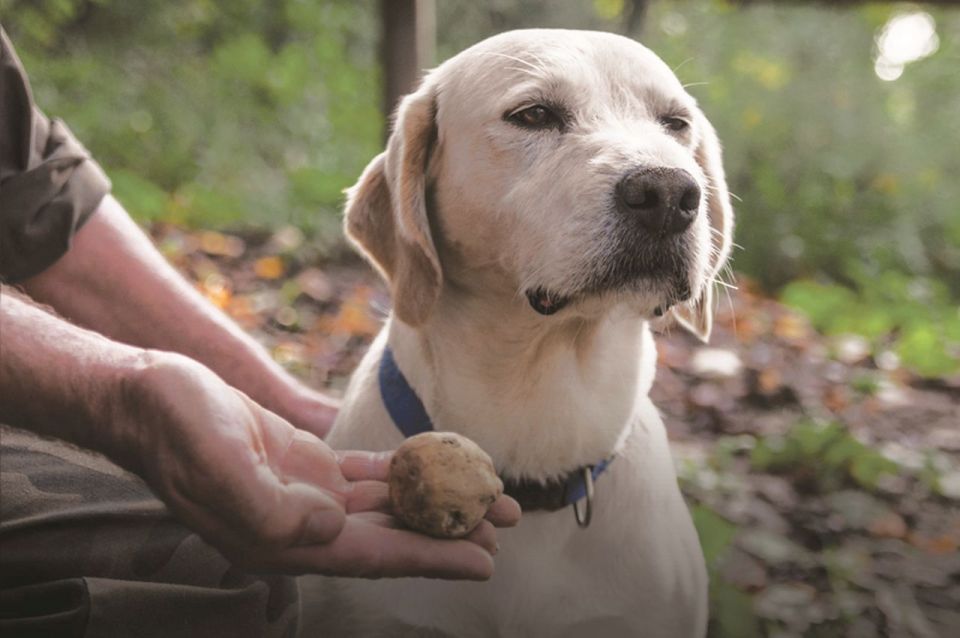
[(536, 117), (674, 123)]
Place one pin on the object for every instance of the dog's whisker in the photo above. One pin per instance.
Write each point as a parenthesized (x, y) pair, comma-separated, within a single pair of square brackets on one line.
[(733, 314), (725, 284), (676, 68)]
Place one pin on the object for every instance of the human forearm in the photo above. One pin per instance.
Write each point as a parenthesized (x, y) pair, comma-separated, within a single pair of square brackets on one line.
[(113, 281), (64, 381)]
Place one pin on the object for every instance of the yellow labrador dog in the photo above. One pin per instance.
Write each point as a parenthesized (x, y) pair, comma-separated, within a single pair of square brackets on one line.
[(545, 196)]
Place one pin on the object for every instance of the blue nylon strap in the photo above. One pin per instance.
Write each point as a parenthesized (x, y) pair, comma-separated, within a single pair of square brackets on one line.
[(404, 406), (411, 418)]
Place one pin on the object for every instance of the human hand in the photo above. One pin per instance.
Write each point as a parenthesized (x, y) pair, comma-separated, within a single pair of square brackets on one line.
[(306, 408), (273, 497)]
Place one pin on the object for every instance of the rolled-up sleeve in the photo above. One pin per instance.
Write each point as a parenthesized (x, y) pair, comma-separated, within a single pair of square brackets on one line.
[(49, 185)]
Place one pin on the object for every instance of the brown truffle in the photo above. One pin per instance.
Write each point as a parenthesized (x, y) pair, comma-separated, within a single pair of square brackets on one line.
[(442, 484)]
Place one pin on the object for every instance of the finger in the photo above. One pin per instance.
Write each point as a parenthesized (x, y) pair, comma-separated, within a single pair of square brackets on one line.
[(364, 466), (306, 458), (259, 510), (379, 518), (366, 496), (505, 512), (321, 516), (484, 535), (372, 551)]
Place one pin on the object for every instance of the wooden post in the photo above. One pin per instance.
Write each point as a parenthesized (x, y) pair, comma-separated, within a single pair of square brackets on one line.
[(408, 29), (635, 17)]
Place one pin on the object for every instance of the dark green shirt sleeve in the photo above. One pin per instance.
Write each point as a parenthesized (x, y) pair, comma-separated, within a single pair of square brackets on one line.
[(49, 185)]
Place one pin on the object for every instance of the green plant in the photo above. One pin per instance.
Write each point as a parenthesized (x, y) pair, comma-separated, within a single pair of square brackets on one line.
[(914, 316), (212, 114), (822, 456)]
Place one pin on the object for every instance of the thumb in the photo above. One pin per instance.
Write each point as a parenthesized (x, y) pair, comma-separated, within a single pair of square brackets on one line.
[(305, 502), (323, 520)]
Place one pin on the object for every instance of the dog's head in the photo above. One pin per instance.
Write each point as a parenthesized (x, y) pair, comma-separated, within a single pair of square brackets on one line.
[(568, 169)]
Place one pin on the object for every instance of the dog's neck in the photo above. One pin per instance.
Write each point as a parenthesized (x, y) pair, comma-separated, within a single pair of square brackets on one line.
[(542, 395)]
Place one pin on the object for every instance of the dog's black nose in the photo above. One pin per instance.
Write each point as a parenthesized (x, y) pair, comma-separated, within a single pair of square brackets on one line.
[(663, 200)]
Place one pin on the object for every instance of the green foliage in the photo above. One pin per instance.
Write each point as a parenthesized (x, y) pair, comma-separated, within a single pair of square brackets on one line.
[(916, 314), (731, 611), (213, 114), (823, 456), (716, 533), (217, 113), (837, 170)]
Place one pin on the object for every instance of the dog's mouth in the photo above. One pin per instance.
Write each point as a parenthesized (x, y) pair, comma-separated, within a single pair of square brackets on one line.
[(545, 301)]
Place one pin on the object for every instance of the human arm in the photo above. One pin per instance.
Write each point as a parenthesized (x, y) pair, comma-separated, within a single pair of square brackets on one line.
[(271, 497), (114, 281)]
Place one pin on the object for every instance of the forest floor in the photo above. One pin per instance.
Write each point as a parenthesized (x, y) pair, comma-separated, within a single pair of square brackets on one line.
[(824, 479)]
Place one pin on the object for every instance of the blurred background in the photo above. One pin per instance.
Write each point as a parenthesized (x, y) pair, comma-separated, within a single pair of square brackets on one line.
[(839, 122), (818, 439)]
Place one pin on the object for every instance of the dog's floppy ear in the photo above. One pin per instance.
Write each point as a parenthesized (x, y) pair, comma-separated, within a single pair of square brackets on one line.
[(697, 314), (386, 212)]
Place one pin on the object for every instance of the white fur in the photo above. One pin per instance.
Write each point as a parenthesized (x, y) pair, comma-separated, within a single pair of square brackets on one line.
[(513, 209)]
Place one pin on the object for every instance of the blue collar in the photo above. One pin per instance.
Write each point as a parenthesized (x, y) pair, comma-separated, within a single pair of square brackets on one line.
[(405, 407), (411, 418)]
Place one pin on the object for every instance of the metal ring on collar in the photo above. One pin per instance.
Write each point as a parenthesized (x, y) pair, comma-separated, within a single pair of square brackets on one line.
[(583, 518)]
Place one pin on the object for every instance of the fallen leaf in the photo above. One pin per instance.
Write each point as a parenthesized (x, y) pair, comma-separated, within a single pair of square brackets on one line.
[(855, 509), (287, 239), (289, 354), (888, 525), (836, 397), (315, 284), (269, 267), (286, 316), (769, 381), (218, 244), (242, 310), (904, 616), (772, 548), (743, 571), (941, 544), (851, 349), (791, 327), (792, 603), (353, 318), (216, 288), (949, 485), (715, 363)]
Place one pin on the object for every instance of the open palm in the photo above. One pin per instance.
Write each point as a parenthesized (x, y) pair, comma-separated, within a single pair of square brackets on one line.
[(275, 498)]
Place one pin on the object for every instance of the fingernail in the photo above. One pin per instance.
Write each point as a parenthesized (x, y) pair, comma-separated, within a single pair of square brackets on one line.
[(323, 526)]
